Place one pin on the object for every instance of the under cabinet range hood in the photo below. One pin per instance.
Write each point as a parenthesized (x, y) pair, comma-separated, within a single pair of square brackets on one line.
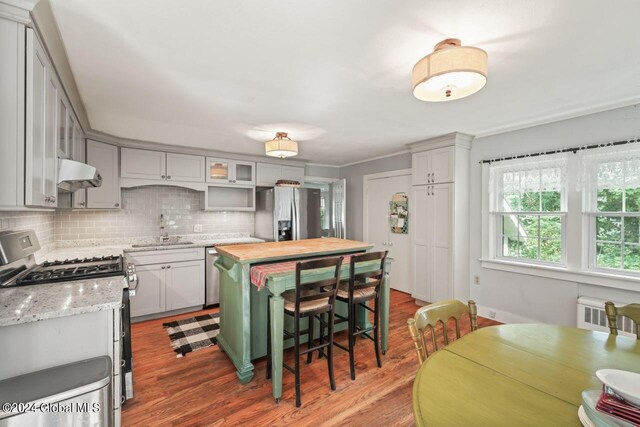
[(74, 176)]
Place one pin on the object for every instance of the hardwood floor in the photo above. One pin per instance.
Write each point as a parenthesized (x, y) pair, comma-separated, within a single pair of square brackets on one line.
[(201, 388)]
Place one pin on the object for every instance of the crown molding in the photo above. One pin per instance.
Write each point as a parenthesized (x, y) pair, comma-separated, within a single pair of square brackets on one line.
[(17, 10), (457, 139), (565, 115), (371, 159), (147, 145)]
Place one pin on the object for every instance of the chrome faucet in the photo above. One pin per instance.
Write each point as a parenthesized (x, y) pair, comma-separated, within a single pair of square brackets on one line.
[(164, 236)]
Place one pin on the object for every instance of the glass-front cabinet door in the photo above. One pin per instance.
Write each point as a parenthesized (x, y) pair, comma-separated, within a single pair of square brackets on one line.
[(218, 170), (226, 171), (62, 130), (245, 172)]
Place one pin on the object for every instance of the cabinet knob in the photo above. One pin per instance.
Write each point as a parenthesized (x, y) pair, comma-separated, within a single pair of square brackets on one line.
[(163, 267), (384, 243), (390, 243), (117, 205), (168, 266), (168, 176), (82, 204), (162, 176)]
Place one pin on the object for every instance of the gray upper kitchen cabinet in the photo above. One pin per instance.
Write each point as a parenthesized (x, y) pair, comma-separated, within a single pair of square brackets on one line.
[(269, 174), (184, 284), (150, 295), (42, 99), (228, 171), (79, 154), (161, 166), (105, 159), (185, 167), (12, 70), (145, 164)]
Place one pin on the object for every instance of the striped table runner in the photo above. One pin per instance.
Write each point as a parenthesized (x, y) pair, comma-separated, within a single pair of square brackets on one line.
[(260, 273)]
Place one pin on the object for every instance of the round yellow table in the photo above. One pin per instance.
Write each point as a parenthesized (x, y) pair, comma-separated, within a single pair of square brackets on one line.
[(517, 375)]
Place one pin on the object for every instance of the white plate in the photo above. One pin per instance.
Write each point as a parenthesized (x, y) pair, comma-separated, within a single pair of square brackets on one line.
[(624, 383), (584, 419)]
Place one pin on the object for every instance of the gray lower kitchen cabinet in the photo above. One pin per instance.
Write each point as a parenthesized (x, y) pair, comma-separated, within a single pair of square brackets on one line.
[(184, 284), (168, 280), (150, 295), (105, 159)]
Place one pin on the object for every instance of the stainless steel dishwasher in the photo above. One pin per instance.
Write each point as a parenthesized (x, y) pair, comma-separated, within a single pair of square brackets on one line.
[(212, 278), (77, 394)]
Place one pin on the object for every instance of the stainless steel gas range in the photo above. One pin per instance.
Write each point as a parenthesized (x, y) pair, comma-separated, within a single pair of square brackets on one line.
[(18, 268)]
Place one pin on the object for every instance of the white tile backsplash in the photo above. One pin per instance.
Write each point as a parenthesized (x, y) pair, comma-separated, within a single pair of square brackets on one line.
[(42, 223), (139, 217)]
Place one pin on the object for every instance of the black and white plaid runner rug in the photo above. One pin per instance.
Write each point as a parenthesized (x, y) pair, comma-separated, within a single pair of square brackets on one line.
[(194, 333)]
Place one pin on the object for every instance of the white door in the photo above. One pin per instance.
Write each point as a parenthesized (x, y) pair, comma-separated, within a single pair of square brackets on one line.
[(379, 191), (441, 164), (185, 284), (421, 232), (440, 261)]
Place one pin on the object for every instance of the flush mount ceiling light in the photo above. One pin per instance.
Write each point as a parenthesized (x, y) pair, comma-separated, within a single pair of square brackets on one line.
[(281, 146), (451, 71)]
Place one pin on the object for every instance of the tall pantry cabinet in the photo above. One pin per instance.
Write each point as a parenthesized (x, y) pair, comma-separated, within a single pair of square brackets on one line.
[(439, 218)]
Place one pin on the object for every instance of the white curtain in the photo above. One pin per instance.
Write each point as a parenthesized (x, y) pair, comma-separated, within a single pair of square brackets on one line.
[(608, 168), (529, 174)]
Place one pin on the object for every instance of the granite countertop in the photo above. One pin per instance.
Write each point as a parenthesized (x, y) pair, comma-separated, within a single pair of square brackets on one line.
[(107, 247), (25, 304)]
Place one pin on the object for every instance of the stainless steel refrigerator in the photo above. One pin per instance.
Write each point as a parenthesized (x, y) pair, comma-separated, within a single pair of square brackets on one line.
[(288, 213)]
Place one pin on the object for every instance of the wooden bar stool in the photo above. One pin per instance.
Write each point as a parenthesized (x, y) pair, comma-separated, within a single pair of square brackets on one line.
[(356, 292), (310, 299)]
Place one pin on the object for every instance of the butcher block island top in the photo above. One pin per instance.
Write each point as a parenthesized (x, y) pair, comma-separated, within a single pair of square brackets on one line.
[(269, 251)]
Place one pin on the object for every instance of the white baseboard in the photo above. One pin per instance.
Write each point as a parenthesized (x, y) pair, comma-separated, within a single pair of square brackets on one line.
[(503, 316)]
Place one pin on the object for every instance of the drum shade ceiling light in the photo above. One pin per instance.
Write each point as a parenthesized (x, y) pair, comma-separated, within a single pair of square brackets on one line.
[(281, 146), (451, 71)]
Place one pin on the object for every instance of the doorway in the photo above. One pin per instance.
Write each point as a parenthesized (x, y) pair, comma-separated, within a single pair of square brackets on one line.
[(378, 191)]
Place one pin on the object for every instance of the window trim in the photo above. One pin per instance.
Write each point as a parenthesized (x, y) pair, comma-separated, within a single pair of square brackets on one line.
[(578, 246), (495, 248)]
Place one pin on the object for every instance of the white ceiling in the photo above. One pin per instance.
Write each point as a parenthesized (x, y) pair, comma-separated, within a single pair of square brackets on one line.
[(336, 74)]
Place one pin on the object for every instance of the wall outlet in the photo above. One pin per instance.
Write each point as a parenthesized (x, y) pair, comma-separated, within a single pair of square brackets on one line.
[(197, 228), (476, 280), (492, 314)]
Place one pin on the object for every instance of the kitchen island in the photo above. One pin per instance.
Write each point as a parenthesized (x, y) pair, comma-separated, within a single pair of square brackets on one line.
[(243, 307)]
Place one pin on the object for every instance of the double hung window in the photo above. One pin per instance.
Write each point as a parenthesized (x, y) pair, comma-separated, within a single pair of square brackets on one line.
[(612, 205), (528, 207)]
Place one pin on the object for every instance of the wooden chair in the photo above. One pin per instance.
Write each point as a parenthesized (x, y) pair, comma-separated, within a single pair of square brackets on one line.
[(311, 300), (429, 316), (632, 311), (357, 292)]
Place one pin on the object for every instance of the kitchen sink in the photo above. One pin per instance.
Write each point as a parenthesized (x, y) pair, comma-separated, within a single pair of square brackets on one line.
[(149, 245)]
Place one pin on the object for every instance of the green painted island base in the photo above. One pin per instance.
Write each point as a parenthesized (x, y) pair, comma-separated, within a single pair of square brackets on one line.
[(243, 315)]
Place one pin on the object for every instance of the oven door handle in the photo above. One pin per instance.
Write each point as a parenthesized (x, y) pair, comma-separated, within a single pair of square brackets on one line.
[(132, 277)]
